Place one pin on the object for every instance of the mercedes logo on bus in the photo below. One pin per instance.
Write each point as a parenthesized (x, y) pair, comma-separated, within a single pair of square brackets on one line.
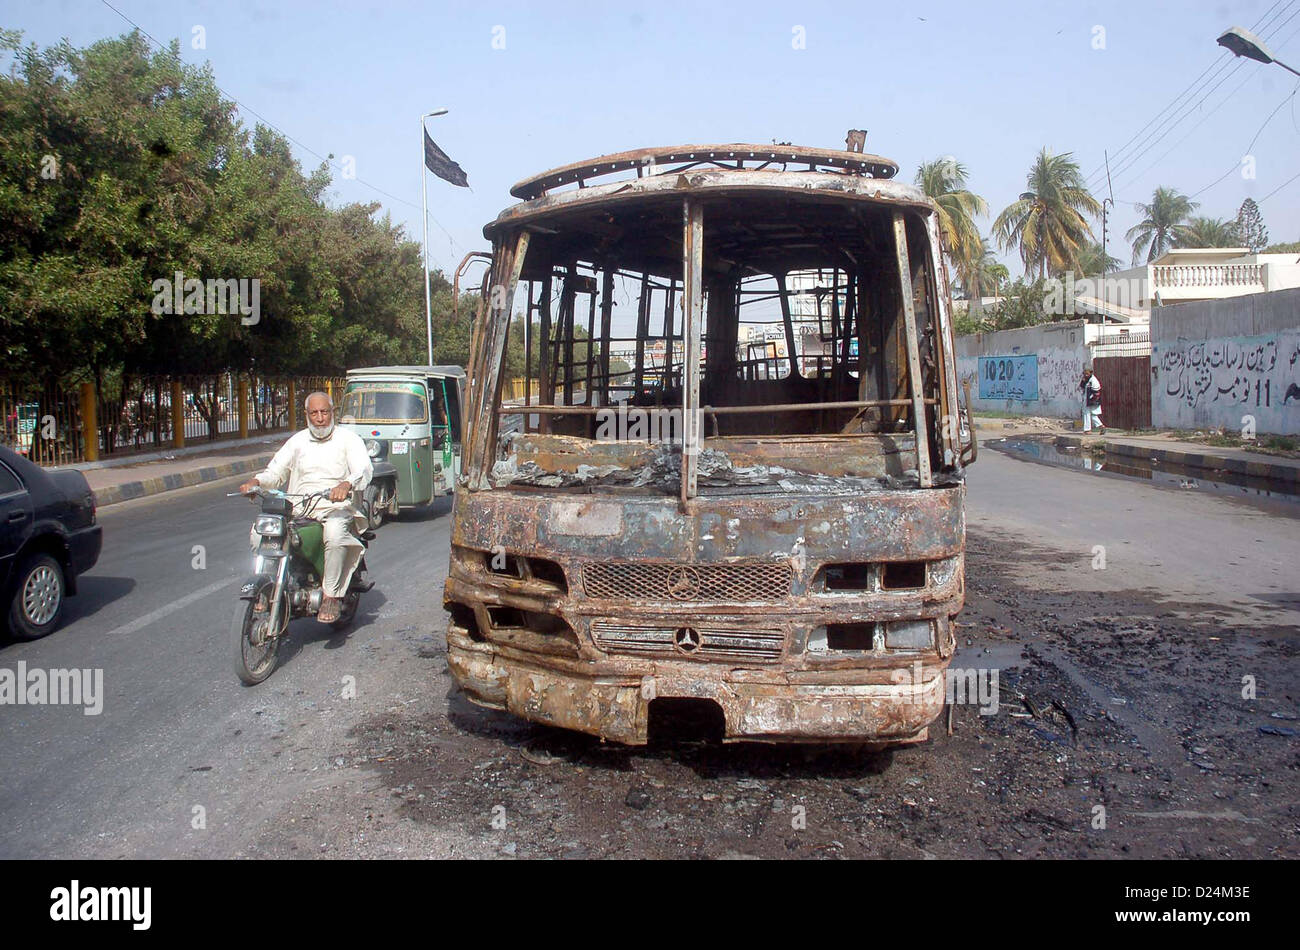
[(683, 583), (686, 640)]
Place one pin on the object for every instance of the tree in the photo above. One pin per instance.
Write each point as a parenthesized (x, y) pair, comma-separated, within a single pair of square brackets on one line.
[(943, 180), (121, 166), (1250, 226), (1024, 305), (1091, 263), (1162, 226), (1291, 248), (1208, 232), (986, 276), (1047, 222)]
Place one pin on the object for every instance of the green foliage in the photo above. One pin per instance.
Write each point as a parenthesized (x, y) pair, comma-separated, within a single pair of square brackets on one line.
[(944, 181), (1209, 232), (1162, 226), (1291, 248), (121, 166), (1025, 305), (1250, 226), (965, 324), (1047, 223), (1091, 263)]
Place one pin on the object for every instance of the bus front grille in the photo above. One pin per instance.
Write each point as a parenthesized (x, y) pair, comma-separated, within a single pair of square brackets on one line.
[(688, 583), (705, 643)]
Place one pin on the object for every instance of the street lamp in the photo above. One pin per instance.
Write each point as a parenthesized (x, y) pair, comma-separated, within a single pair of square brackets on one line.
[(424, 220), (1242, 42)]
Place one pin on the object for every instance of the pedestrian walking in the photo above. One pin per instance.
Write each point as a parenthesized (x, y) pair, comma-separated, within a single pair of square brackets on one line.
[(1090, 386)]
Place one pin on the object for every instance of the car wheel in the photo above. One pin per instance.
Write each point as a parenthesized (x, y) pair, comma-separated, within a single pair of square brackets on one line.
[(38, 598)]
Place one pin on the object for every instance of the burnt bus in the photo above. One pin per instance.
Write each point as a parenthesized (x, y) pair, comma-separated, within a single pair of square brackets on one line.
[(733, 489)]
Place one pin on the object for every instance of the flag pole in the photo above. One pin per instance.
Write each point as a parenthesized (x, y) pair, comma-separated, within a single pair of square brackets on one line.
[(424, 220)]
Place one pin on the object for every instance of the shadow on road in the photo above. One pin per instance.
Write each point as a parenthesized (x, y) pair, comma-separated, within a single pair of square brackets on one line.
[(304, 631), (93, 593), (435, 509)]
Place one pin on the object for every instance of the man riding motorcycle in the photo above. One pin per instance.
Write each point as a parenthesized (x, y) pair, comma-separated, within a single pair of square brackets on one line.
[(318, 458)]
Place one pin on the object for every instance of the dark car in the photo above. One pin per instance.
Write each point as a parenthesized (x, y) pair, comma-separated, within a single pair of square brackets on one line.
[(48, 537)]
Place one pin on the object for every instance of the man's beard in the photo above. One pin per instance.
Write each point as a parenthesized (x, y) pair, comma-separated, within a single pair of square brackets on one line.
[(321, 433)]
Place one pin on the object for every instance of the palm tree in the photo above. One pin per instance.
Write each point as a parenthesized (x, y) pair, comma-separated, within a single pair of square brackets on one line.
[(1209, 232), (1161, 227), (944, 181), (1047, 222), (986, 274), (1090, 261)]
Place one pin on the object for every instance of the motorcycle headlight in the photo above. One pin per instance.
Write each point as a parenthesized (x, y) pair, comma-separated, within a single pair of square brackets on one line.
[(269, 526), (373, 448)]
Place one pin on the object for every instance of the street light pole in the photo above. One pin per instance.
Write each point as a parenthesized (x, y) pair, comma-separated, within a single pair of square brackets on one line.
[(424, 220)]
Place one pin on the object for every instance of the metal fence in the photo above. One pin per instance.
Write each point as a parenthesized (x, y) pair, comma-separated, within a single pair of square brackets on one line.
[(147, 413), (41, 422)]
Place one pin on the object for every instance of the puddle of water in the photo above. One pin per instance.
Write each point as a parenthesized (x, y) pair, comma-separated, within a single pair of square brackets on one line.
[(1175, 476)]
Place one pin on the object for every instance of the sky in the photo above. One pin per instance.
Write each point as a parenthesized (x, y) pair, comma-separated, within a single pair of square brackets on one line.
[(533, 86)]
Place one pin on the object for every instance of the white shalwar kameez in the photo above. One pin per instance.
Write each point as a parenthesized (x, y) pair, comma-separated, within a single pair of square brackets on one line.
[(312, 465)]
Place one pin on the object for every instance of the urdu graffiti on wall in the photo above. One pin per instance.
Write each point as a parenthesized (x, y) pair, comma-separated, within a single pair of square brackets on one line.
[(1234, 370), (1008, 377)]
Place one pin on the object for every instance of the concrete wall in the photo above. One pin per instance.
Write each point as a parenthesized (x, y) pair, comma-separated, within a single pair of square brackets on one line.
[(1215, 361), (1033, 371)]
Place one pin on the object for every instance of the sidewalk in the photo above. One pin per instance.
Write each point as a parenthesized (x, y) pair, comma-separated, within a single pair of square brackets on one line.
[(1162, 447), (158, 474)]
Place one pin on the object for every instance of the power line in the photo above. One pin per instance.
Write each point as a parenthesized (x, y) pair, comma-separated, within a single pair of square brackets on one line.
[(1216, 68), (1278, 188), (1205, 115), (1290, 98), (1172, 121), (271, 125)]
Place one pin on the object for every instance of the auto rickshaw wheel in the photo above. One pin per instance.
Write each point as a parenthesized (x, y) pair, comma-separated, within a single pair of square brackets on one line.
[(376, 505)]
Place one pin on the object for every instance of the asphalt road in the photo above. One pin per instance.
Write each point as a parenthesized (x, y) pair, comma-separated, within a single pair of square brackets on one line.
[(177, 730), (183, 761)]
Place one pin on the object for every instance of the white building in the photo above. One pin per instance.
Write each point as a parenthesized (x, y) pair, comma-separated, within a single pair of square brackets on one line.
[(1186, 274)]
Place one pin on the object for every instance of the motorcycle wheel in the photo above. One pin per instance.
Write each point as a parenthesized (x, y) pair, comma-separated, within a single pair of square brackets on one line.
[(253, 662), (347, 612)]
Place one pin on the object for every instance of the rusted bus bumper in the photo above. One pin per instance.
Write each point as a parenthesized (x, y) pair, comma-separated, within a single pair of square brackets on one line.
[(757, 706)]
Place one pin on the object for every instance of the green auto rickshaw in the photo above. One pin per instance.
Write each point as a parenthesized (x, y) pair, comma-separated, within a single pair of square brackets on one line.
[(410, 420)]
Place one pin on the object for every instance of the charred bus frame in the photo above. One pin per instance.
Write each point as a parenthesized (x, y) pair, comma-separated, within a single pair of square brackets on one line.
[(793, 561)]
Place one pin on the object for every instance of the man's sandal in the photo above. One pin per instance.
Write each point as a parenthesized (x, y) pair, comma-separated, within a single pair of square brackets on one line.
[(329, 610)]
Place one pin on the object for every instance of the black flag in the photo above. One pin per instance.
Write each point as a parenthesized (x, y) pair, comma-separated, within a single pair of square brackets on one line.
[(436, 160)]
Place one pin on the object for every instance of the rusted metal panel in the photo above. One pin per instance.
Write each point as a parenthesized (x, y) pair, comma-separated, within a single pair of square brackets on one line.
[(915, 383), (704, 182), (656, 160), (693, 317), (616, 707), (485, 373), (949, 431), (875, 526)]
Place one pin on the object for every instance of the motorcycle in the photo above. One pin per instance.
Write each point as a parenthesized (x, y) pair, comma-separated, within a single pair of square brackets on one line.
[(288, 566)]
